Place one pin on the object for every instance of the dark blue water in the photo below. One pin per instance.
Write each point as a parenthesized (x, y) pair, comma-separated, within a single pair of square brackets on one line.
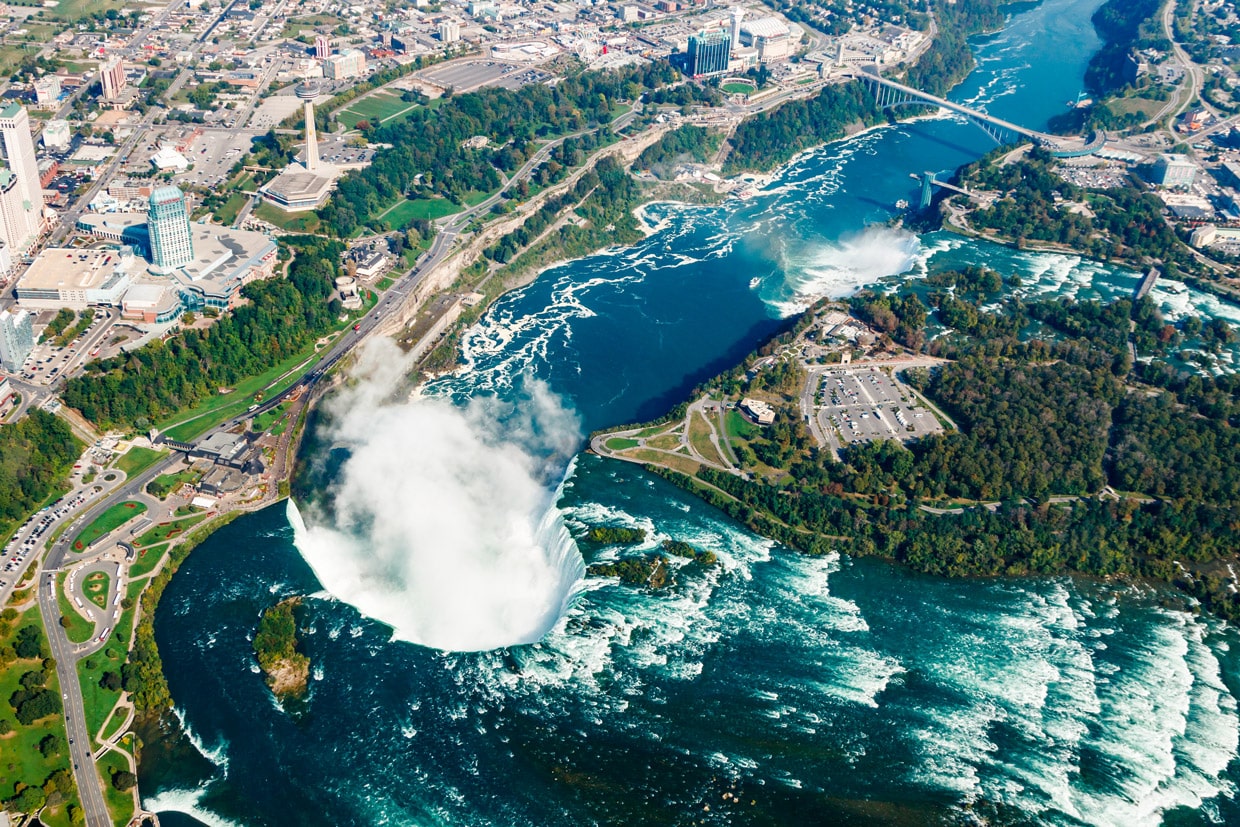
[(773, 689)]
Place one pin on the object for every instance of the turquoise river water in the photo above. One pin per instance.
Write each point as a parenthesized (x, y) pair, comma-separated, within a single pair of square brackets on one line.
[(464, 672)]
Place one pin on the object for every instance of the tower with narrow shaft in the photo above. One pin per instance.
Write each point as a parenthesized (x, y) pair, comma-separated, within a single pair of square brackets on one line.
[(308, 92)]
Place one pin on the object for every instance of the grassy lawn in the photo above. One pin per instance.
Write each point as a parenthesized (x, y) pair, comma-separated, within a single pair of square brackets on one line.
[(11, 56), (736, 88), (620, 443), (264, 421), (739, 426), (385, 283), (1124, 106), (300, 222), (79, 629), (167, 531), (403, 212), (96, 588), (120, 804), (109, 521), (377, 108), (215, 409), (241, 181), (137, 460), (665, 442), (73, 10), (699, 437), (227, 213), (21, 761), (96, 700), (684, 465), (113, 725), (309, 23), (166, 484), (147, 559)]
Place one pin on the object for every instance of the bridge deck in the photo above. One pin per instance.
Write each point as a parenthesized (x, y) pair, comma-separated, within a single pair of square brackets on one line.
[(960, 109)]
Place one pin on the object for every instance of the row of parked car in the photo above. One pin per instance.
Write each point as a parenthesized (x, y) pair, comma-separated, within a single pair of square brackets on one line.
[(18, 550)]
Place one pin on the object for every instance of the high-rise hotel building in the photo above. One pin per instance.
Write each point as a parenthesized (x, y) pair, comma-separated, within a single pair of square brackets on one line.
[(172, 245)]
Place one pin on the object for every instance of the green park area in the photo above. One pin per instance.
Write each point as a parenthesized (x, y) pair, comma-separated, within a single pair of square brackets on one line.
[(294, 222), (375, 109), (73, 10), (137, 460), (738, 87), (107, 522), (402, 213), (620, 443), (96, 587), (215, 409), (166, 484), (266, 419), (738, 426), (227, 212), (11, 55), (100, 673), (77, 627), (307, 24), (118, 784), (168, 530), (148, 558), (33, 750)]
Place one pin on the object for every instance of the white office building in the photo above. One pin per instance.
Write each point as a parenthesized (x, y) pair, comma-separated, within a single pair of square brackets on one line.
[(23, 219)]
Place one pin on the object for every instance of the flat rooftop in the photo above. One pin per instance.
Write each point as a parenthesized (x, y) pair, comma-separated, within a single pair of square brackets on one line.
[(219, 251), (62, 268)]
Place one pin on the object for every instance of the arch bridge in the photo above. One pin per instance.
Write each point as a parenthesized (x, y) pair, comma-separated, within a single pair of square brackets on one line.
[(890, 94)]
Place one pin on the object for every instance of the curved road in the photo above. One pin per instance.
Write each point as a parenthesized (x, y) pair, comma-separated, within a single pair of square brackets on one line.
[(67, 655)]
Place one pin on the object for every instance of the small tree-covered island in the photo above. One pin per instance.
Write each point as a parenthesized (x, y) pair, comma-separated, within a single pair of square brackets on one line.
[(275, 644), (927, 427)]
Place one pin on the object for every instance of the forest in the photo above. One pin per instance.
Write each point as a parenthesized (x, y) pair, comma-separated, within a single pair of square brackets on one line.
[(949, 57), (1127, 222), (1120, 24), (604, 198), (427, 158), (768, 140), (280, 319), (1052, 415), (36, 453), (682, 145)]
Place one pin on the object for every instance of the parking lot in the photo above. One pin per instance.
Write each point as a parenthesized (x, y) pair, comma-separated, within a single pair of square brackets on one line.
[(464, 77), (48, 361), (213, 155), (867, 404)]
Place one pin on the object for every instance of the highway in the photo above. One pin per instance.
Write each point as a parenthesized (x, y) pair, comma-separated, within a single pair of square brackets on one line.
[(450, 229)]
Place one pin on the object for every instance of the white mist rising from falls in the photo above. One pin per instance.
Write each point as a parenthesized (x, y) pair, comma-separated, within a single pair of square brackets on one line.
[(444, 523), (818, 269)]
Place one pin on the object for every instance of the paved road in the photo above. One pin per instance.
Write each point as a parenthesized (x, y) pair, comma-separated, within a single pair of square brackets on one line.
[(84, 774), (67, 655)]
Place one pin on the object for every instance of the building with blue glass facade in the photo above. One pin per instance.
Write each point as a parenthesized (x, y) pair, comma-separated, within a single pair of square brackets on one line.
[(709, 53)]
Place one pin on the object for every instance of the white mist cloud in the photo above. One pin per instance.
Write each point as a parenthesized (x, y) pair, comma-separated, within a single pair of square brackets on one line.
[(444, 524), (824, 269)]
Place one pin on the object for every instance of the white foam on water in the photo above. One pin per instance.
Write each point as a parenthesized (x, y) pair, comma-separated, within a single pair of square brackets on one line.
[(217, 755), (837, 269), (186, 802), (1168, 727)]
